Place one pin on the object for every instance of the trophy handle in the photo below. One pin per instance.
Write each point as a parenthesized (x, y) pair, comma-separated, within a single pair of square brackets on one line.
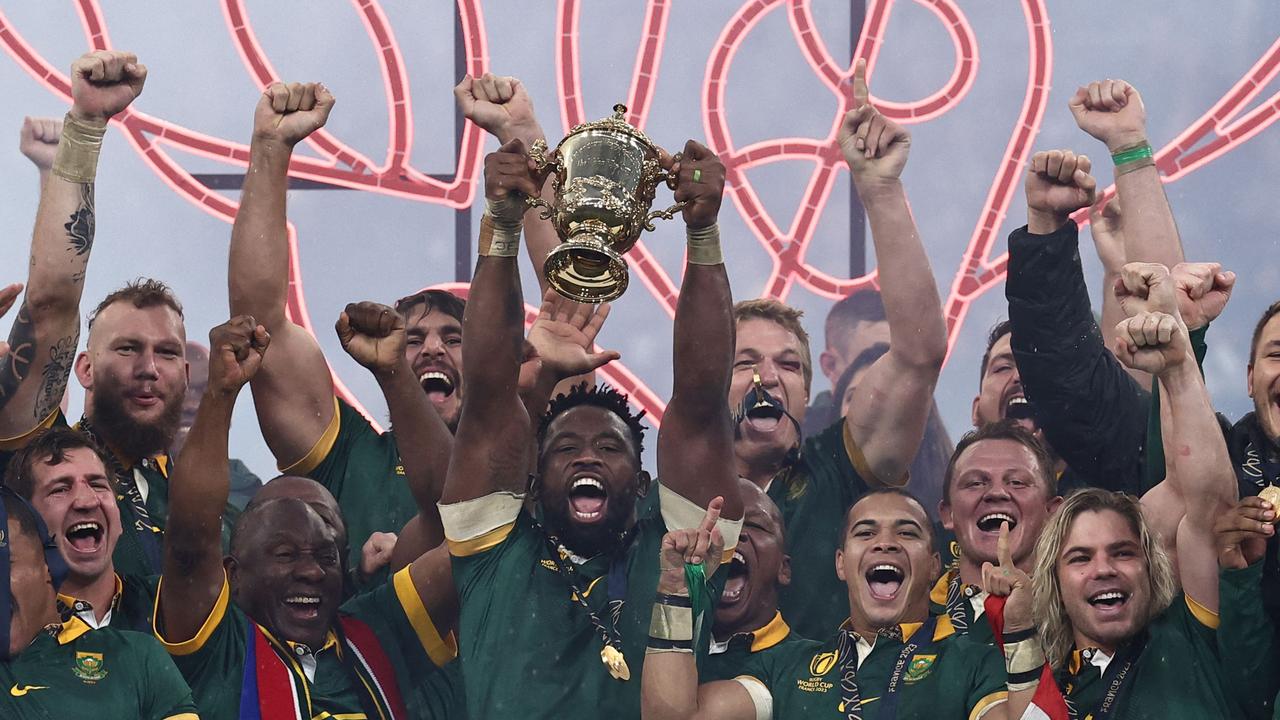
[(547, 209), (667, 214)]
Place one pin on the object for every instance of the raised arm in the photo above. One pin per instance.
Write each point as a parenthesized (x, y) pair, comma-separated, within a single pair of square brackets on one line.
[(47, 327), (38, 141), (1112, 112), (374, 336), (695, 442), (492, 447), (198, 489), (1091, 411), (293, 395), (669, 688), (1200, 481), (1106, 226), (890, 405), (503, 108)]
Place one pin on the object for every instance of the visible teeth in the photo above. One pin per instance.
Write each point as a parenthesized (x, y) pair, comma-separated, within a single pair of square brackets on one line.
[(1113, 595), (737, 556), (435, 375), (588, 482), (93, 526), (588, 515), (883, 566), (1018, 400), (303, 600), (998, 516)]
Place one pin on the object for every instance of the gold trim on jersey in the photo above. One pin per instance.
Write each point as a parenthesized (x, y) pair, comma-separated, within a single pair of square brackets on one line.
[(854, 451), (771, 634), (477, 545), (320, 450), (216, 613), (1203, 615), (20, 441), (439, 650), (985, 704)]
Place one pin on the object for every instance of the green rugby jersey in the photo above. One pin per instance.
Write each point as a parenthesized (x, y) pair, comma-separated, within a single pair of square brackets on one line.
[(952, 601), (953, 678), (813, 494), (770, 646), (104, 673), (528, 649), (213, 662), (131, 606), (131, 557), (1177, 676), (1247, 644), (362, 469)]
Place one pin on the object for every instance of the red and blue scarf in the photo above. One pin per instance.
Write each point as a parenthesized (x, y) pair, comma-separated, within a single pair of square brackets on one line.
[(274, 686)]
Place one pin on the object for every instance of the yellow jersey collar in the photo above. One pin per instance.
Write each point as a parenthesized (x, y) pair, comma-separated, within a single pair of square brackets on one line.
[(941, 631), (771, 634), (330, 641), (77, 605)]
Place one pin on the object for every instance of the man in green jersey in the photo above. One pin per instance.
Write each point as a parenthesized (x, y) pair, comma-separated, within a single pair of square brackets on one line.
[(890, 659), (748, 627), (310, 431), (1106, 611), (133, 368), (999, 473), (53, 670), (63, 474), (263, 631), (815, 481), (555, 597)]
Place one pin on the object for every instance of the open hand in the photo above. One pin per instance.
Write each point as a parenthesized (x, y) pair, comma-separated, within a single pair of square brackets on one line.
[(564, 334)]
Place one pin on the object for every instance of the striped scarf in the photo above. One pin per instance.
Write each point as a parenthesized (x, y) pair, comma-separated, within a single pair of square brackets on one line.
[(274, 685)]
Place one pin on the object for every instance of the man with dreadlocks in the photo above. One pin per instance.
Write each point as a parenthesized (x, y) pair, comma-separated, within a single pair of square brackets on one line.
[(557, 589), (815, 481)]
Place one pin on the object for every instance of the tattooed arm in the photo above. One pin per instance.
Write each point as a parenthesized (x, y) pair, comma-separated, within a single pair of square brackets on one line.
[(42, 342)]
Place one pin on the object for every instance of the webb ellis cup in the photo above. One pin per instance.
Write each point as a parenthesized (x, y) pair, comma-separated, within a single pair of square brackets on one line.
[(604, 174)]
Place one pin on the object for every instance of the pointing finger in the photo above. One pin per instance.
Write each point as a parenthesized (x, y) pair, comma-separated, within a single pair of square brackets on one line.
[(861, 93)]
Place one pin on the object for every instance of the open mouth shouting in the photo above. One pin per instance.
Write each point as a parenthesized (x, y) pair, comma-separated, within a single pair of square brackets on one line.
[(588, 500), (736, 583), (86, 537), (438, 385), (990, 522), (764, 416), (885, 580), (1018, 408)]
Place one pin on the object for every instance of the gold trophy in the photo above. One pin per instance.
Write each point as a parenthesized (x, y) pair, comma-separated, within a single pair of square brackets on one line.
[(604, 174)]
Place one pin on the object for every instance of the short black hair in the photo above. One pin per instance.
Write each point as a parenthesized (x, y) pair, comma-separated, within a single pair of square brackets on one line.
[(53, 444), (25, 516), (442, 300), (601, 396), (1006, 429), (900, 492), (1002, 328), (861, 306), (1267, 314)]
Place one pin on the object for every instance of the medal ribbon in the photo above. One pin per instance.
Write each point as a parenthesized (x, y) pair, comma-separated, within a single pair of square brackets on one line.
[(1120, 672)]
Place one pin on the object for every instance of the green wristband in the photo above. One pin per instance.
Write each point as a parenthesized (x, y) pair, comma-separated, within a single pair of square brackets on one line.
[(695, 576), (1132, 154)]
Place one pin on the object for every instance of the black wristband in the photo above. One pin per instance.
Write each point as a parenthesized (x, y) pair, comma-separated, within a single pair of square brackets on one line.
[(1019, 636), (664, 644), (680, 601), (1025, 677)]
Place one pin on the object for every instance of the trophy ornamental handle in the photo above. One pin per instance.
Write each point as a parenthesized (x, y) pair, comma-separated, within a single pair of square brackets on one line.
[(667, 214), (543, 165), (547, 209)]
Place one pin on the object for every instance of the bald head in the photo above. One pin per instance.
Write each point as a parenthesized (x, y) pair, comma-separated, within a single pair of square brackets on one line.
[(308, 491)]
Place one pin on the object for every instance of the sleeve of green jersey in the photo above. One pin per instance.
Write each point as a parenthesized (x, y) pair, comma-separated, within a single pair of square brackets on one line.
[(833, 460), (1247, 643), (987, 682), (480, 564), (167, 693), (348, 436)]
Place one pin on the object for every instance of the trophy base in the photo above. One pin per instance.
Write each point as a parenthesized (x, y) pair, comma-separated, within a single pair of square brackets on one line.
[(586, 271)]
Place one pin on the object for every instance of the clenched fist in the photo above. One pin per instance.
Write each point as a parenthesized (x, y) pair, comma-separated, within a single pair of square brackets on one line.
[(289, 113), (1058, 184), (38, 140), (373, 335), (236, 348), (500, 105), (699, 184), (508, 172), (103, 83), (1111, 111), (1203, 290), (874, 146)]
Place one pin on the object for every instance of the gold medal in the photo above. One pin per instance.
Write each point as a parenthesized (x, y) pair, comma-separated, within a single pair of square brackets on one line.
[(1271, 494), (617, 664)]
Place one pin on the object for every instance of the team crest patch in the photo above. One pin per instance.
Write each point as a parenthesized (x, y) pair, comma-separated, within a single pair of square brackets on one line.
[(822, 664), (919, 668), (88, 667)]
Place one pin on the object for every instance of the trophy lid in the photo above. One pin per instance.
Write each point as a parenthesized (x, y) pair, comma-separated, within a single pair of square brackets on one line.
[(617, 123)]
